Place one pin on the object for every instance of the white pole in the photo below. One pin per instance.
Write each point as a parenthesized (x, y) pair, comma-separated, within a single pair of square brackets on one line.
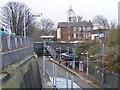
[(24, 25), (43, 57), (87, 64), (66, 80), (53, 74), (71, 82)]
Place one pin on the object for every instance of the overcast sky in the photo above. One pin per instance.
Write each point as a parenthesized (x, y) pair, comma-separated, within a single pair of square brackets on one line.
[(57, 9)]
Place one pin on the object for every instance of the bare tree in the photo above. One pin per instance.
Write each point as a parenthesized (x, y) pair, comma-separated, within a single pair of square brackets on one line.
[(13, 16), (101, 21), (46, 26)]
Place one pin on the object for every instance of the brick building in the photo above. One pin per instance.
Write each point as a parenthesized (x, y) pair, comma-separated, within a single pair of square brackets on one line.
[(74, 29)]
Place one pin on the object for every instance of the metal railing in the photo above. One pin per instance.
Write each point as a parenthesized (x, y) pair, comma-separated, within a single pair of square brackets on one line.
[(51, 51), (8, 43)]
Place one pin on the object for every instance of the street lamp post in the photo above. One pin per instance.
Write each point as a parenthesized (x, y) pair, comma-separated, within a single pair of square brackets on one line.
[(87, 64), (102, 35), (87, 69)]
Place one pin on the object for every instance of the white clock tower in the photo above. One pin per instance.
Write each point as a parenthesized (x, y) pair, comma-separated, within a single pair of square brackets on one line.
[(70, 15)]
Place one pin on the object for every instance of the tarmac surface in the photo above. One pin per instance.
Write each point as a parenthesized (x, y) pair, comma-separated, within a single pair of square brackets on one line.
[(80, 78)]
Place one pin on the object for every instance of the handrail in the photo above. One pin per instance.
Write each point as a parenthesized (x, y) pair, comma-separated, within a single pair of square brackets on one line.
[(51, 51)]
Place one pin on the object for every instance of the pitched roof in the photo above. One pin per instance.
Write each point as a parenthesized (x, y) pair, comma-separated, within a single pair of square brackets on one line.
[(75, 24)]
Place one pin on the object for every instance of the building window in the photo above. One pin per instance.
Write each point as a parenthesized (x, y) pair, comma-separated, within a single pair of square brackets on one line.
[(74, 35), (70, 19), (79, 28), (68, 27), (77, 36), (74, 29), (68, 37), (83, 28), (88, 28), (89, 34)]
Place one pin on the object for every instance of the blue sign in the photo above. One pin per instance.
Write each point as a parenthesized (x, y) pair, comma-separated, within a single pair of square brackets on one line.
[(102, 34)]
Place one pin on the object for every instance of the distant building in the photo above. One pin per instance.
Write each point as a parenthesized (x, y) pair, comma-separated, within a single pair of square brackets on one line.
[(74, 30), (98, 32)]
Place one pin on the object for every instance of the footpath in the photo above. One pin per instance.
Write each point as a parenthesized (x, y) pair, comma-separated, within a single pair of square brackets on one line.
[(77, 72)]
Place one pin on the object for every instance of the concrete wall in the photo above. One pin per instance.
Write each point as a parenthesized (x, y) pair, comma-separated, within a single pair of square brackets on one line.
[(10, 57), (18, 64), (24, 75)]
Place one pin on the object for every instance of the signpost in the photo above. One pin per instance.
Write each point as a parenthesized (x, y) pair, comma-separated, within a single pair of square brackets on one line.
[(103, 80), (102, 35)]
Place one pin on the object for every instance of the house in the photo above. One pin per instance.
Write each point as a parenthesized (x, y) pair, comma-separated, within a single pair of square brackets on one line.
[(98, 32), (74, 29)]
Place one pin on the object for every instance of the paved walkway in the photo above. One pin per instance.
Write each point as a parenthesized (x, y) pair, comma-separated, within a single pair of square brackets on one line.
[(88, 79), (75, 71)]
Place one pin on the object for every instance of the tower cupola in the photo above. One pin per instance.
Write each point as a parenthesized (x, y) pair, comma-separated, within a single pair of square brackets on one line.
[(70, 14)]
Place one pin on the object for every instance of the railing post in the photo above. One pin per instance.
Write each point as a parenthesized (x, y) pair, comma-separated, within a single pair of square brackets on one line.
[(71, 82), (21, 44), (16, 42), (24, 41), (13, 43), (53, 74), (67, 80), (9, 42)]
